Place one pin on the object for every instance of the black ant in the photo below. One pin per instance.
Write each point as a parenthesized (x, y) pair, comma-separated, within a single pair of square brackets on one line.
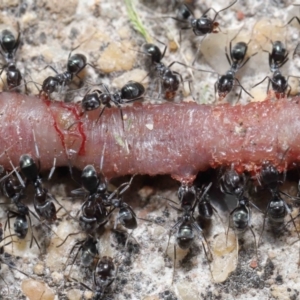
[(104, 275), (8, 47), (15, 193), (277, 208), (187, 227), (236, 60), (126, 215), (240, 218), (277, 58), (204, 25), (76, 63), (130, 92), (89, 252), (232, 183), (169, 79), (93, 211), (205, 207), (42, 198)]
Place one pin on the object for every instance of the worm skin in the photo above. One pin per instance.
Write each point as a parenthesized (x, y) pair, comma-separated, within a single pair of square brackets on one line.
[(176, 139)]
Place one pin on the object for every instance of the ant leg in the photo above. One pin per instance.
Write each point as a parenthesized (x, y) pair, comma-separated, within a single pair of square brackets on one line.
[(198, 50), (255, 245), (267, 77), (180, 33), (49, 66), (290, 21), (239, 84), (70, 234), (52, 169), (263, 227), (217, 13), (207, 253), (76, 255), (174, 264), (295, 51), (216, 89), (102, 111)]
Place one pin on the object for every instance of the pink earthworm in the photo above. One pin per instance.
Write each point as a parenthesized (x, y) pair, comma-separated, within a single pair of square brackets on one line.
[(176, 139)]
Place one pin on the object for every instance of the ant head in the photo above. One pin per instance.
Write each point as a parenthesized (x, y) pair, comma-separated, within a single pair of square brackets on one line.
[(105, 99), (203, 25), (153, 51), (278, 50), (239, 51), (13, 76), (187, 196), (49, 85), (89, 179), (225, 84), (28, 167), (269, 175), (10, 187), (171, 81), (132, 90), (76, 63), (90, 102), (102, 188)]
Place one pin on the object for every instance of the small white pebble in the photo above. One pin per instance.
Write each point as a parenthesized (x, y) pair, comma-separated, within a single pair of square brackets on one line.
[(149, 126)]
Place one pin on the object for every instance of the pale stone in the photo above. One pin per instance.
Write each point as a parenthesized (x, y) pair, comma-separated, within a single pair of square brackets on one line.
[(281, 292), (38, 269), (60, 7), (225, 256), (137, 75), (187, 290), (57, 277), (117, 57), (37, 290), (74, 294)]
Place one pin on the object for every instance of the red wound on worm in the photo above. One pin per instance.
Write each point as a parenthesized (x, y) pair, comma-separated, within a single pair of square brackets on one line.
[(177, 139)]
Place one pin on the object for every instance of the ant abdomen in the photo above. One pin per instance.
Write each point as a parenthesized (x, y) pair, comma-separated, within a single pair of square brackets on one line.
[(240, 219), (76, 63), (185, 236), (89, 179), (154, 52), (28, 167), (127, 219), (21, 226), (132, 90), (89, 252)]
